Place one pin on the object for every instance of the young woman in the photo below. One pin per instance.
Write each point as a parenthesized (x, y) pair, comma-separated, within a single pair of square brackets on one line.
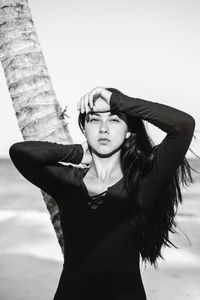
[(122, 204)]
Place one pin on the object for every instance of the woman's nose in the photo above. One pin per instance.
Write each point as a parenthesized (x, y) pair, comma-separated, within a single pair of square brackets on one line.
[(103, 127)]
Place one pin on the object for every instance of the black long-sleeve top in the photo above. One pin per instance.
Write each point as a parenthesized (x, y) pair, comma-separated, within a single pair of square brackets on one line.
[(97, 241)]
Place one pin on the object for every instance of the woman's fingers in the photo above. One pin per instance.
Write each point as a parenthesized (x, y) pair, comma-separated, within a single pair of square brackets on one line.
[(90, 100), (83, 104), (87, 102), (86, 99), (94, 94)]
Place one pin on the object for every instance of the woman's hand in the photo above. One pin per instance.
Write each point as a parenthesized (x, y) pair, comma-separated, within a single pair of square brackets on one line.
[(88, 102), (87, 157)]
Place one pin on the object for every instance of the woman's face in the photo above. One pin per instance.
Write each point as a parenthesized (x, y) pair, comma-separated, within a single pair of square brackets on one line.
[(100, 125)]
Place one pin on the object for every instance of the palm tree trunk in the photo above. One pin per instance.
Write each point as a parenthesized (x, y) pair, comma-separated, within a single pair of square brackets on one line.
[(38, 112)]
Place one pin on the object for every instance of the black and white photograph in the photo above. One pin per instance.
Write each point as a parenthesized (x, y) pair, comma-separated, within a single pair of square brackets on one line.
[(100, 150)]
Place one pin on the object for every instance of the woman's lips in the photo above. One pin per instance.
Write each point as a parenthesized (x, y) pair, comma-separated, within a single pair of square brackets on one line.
[(103, 140)]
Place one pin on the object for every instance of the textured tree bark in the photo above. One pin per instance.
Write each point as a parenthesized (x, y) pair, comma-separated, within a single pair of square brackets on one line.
[(38, 112)]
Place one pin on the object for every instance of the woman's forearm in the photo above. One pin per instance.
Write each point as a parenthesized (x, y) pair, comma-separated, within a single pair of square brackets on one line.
[(46, 153), (165, 117)]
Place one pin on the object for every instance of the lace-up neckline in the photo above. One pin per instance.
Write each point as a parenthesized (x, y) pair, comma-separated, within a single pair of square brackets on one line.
[(95, 200)]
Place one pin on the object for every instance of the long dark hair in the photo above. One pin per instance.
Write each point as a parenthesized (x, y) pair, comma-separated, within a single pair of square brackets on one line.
[(149, 230)]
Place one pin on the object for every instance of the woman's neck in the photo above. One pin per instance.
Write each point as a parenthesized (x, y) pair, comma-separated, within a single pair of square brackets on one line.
[(105, 168)]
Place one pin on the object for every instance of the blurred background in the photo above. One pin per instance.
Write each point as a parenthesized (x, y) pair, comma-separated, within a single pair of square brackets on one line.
[(148, 49)]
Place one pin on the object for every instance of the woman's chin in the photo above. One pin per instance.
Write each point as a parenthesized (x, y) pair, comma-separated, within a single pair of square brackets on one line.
[(104, 150)]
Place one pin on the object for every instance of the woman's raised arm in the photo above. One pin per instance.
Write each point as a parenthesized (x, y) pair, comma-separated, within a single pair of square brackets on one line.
[(179, 127), (38, 162)]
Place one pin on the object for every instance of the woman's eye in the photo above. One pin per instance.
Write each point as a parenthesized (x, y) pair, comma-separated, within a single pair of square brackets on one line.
[(115, 120), (93, 120)]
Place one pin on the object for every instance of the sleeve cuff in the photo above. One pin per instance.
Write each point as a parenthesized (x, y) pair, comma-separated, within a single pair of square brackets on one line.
[(116, 102)]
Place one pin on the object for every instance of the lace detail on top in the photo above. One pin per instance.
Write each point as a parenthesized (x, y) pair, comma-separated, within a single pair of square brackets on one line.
[(96, 200)]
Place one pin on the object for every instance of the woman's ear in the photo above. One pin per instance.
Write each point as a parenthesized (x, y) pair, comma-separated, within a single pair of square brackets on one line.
[(128, 134)]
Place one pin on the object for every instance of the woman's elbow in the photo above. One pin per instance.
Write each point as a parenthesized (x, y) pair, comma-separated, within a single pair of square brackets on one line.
[(15, 150), (187, 125), (191, 124)]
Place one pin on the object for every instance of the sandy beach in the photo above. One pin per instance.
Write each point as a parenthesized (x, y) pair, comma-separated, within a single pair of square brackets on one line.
[(31, 259)]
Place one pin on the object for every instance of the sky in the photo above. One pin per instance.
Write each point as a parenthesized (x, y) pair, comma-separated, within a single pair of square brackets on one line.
[(148, 49)]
